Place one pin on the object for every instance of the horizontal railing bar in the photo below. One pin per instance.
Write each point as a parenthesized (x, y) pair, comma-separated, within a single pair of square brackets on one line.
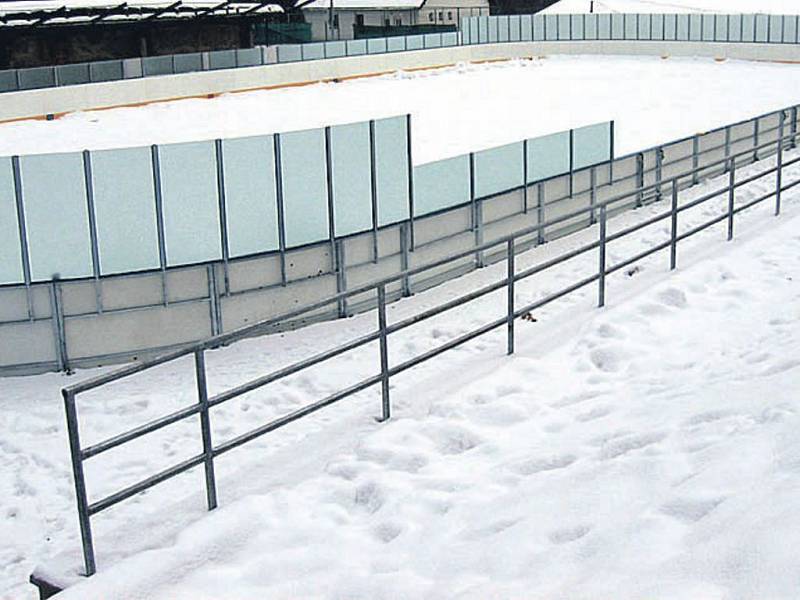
[(134, 489), (638, 257), (132, 434), (292, 369), (302, 412), (553, 297), (252, 329)]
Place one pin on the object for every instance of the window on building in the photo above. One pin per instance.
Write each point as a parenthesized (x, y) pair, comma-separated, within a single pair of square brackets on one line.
[(441, 15), (336, 21), (431, 16), (359, 20), (449, 15), (398, 21)]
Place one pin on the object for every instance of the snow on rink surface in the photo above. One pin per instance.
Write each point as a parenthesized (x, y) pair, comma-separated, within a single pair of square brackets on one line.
[(455, 110), (647, 450)]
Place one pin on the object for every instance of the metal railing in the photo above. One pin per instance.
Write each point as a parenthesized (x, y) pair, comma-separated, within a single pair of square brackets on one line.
[(503, 248)]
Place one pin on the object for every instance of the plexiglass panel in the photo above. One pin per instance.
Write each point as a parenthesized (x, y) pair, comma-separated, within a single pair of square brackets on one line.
[(538, 27), (396, 44), (251, 204), (337, 49), (441, 184), (617, 26), (776, 29), (289, 53), (350, 175), (108, 70), (493, 35), (483, 29), (10, 252), (735, 28), (376, 46), (125, 210), (695, 27), (656, 27), (670, 27), (449, 38), (682, 28), (498, 169), (356, 47), (185, 63), (314, 51), (248, 57), (54, 195), (223, 59), (191, 204), (391, 168), (526, 28), (790, 29), (514, 33), (590, 26), (721, 28), (604, 26), (305, 199), (591, 145), (414, 42), (644, 27), (576, 28), (629, 22), (563, 27), (708, 27), (548, 156), (503, 28), (432, 40), (762, 28), (748, 28), (551, 27), (73, 74)]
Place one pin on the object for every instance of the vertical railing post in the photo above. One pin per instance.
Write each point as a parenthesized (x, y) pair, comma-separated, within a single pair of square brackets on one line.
[(601, 291), (695, 158), (731, 195), (727, 144), (793, 128), (373, 180), (340, 270), (405, 239), (779, 172), (80, 482), (510, 287), (540, 212), (384, 349), (659, 169), (673, 233), (592, 196), (639, 179), (205, 427), (59, 332), (755, 139)]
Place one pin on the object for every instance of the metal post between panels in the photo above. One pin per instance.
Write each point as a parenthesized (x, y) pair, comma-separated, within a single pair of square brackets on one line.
[(373, 179), (695, 156), (525, 176), (23, 233), (540, 212), (80, 483), (673, 234), (384, 351), (592, 196), (639, 179), (205, 427), (601, 291), (510, 278), (410, 166), (731, 196), (404, 259), (223, 211), (659, 168), (329, 191), (276, 144), (89, 188), (571, 159), (755, 139), (155, 161), (779, 172), (793, 125), (57, 319)]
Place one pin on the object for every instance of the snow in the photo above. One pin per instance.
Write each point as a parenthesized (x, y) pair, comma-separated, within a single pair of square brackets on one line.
[(455, 110), (644, 450), (780, 7)]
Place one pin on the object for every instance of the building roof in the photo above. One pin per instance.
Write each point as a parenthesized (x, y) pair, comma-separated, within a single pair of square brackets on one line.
[(364, 4), (35, 13)]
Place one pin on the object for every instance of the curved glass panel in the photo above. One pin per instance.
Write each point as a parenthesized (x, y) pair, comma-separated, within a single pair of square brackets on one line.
[(191, 204), (56, 215), (125, 209), (251, 204), (305, 196)]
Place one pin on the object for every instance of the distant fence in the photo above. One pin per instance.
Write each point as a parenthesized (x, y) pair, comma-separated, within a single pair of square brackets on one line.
[(733, 28), (143, 216)]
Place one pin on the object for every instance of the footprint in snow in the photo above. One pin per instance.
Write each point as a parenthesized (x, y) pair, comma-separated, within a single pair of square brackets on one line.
[(691, 510), (532, 466), (569, 534), (620, 447)]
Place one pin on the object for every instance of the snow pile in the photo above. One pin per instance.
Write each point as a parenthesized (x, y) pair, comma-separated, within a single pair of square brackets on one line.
[(780, 7), (644, 450), (455, 111)]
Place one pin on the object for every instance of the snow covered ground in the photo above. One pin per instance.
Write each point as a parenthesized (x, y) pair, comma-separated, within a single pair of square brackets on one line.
[(455, 110), (645, 450), (781, 7)]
